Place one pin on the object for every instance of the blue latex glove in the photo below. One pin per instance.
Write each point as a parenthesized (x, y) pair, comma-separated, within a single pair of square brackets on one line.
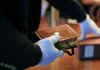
[(89, 26), (50, 53)]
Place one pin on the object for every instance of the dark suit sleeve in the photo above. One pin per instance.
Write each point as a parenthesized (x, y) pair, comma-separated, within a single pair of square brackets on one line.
[(16, 49), (69, 8)]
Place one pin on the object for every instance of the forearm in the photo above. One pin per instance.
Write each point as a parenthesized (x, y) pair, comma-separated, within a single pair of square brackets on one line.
[(69, 8)]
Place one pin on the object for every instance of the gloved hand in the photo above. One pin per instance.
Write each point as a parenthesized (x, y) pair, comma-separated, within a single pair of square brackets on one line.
[(88, 26), (50, 53)]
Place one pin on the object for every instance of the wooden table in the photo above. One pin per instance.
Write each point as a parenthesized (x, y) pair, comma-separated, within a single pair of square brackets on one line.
[(70, 63), (91, 39)]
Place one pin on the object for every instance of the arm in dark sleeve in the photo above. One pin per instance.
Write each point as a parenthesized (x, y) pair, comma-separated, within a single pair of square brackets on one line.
[(16, 49), (69, 8)]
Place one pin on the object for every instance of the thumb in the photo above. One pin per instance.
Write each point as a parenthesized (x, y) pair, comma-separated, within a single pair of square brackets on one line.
[(61, 53)]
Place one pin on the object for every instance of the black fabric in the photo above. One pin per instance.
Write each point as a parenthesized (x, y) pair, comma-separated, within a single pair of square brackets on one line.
[(85, 7), (19, 19), (70, 9), (16, 48)]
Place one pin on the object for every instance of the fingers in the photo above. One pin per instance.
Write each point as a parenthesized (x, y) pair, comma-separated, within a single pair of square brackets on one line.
[(61, 54), (83, 35), (54, 38)]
